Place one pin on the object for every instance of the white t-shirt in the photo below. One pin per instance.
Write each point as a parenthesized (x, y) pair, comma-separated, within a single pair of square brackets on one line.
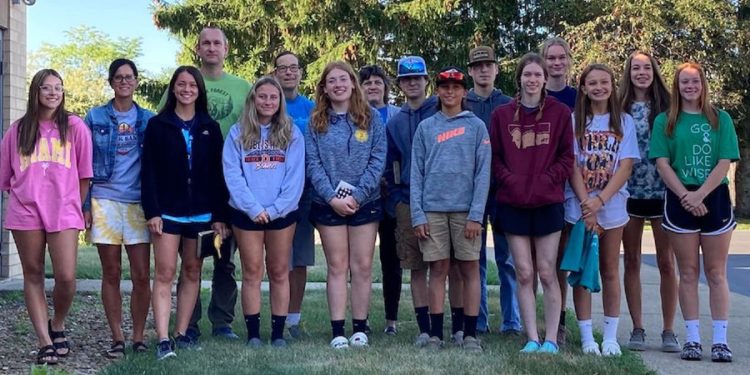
[(598, 159)]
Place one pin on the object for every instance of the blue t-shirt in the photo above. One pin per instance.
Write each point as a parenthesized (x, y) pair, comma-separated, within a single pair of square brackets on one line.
[(299, 109), (567, 95), (125, 183), (383, 113)]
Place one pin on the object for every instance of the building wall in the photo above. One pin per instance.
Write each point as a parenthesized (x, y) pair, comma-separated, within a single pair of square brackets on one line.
[(13, 23)]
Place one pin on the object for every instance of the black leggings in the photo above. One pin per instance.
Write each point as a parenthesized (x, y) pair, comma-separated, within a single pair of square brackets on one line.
[(391, 267)]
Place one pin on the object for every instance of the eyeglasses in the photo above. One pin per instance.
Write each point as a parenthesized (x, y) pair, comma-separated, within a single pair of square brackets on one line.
[(450, 75), (413, 67), (50, 89), (284, 68), (127, 78)]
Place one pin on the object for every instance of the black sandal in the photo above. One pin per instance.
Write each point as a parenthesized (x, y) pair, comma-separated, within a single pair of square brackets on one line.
[(48, 352), (59, 345), (116, 351), (139, 347)]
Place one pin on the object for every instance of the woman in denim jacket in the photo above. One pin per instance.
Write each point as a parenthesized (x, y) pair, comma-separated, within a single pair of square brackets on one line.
[(113, 210)]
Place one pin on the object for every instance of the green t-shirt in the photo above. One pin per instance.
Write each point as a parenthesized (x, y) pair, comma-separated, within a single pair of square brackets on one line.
[(695, 146), (226, 97)]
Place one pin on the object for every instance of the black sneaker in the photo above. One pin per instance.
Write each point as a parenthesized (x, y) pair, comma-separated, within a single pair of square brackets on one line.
[(164, 350), (720, 353), (692, 351)]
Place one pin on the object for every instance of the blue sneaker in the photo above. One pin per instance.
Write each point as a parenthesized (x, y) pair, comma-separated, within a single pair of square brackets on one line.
[(194, 333), (184, 342), (549, 347), (531, 347), (225, 332), (164, 350)]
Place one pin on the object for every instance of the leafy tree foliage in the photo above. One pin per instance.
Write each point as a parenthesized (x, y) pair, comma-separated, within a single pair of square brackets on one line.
[(83, 60)]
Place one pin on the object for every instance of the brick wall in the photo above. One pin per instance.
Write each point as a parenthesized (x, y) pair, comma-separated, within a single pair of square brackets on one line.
[(14, 104)]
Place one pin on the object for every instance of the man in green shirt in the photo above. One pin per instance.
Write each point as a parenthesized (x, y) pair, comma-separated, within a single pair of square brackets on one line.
[(226, 95)]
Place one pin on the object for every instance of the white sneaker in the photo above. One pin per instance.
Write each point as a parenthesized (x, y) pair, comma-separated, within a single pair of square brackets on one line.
[(611, 349), (591, 348), (339, 342), (358, 340)]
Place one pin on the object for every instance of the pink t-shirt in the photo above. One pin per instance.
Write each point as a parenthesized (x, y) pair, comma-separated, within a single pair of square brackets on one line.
[(44, 190)]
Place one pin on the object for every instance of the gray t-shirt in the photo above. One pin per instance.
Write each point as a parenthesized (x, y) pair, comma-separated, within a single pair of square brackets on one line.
[(125, 183)]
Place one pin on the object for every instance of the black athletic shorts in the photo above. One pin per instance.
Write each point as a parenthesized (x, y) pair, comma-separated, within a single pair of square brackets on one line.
[(719, 219), (646, 208), (244, 222), (324, 214), (533, 222)]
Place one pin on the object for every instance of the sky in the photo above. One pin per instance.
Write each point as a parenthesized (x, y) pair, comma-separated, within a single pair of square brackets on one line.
[(46, 20)]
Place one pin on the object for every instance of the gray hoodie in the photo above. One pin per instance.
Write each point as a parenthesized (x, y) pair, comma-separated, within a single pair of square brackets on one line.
[(346, 153), (450, 166)]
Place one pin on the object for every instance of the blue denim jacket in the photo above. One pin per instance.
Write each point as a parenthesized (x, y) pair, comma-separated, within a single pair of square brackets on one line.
[(103, 124)]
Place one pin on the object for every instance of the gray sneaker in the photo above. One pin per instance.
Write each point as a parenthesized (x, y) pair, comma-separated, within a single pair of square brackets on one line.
[(457, 338), (279, 343), (422, 340), (434, 344), (669, 343), (638, 340), (472, 344), (295, 331), (254, 343)]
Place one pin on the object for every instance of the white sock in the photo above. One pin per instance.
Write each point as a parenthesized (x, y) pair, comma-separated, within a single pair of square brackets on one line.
[(293, 319), (587, 332), (692, 331), (720, 331), (610, 328)]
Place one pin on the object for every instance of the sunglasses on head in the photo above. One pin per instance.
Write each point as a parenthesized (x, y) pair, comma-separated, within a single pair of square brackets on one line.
[(411, 67), (452, 74)]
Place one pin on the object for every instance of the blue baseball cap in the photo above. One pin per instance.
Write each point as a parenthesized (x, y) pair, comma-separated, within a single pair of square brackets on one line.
[(411, 66)]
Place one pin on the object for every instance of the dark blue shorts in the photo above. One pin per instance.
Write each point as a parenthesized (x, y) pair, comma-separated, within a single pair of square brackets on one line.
[(646, 208), (532, 222), (719, 219), (324, 214), (242, 221), (187, 230)]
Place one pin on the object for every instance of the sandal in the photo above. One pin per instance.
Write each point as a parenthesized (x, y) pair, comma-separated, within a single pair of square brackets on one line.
[(59, 345), (139, 347), (47, 355), (116, 351)]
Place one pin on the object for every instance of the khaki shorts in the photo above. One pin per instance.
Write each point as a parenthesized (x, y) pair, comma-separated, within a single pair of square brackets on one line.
[(117, 223), (446, 229), (407, 244)]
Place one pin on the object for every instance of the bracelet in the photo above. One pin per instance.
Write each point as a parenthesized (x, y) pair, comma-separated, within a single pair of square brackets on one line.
[(600, 199)]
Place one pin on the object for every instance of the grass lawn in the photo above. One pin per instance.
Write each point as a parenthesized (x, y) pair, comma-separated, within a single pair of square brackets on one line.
[(89, 267), (392, 355)]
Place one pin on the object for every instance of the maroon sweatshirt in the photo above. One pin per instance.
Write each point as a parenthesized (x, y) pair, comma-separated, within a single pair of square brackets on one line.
[(531, 159)]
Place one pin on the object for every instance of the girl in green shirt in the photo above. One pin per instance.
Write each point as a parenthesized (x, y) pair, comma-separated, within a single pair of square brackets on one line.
[(693, 144)]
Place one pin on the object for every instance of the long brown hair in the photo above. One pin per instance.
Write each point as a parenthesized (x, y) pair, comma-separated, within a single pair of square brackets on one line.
[(281, 125), (583, 112), (657, 93), (527, 59), (28, 124), (359, 109), (675, 107)]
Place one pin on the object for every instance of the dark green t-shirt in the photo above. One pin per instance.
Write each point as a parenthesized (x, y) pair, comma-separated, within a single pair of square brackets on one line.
[(695, 147)]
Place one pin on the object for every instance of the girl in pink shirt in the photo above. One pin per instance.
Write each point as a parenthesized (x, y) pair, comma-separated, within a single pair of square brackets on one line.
[(45, 166)]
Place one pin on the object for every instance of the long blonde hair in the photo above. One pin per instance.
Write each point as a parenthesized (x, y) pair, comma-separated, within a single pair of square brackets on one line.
[(675, 105), (281, 124), (359, 109)]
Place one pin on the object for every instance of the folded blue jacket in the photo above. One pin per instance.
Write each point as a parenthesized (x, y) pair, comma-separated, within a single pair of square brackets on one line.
[(581, 258)]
